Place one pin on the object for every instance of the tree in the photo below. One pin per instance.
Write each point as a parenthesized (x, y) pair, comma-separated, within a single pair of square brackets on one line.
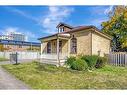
[(117, 28)]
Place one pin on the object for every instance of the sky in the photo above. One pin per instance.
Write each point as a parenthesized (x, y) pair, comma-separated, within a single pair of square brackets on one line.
[(40, 21)]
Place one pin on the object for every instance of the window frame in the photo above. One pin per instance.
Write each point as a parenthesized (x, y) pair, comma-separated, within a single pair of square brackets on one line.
[(49, 47), (73, 45)]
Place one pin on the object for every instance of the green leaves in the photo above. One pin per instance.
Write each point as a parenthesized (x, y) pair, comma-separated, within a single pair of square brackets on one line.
[(117, 27)]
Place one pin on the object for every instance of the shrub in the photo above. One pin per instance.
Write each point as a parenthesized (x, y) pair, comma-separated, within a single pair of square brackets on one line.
[(101, 62), (91, 60), (79, 64), (70, 61), (85, 62)]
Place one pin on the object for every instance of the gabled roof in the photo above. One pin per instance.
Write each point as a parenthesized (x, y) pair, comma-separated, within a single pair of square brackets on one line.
[(79, 28), (64, 24)]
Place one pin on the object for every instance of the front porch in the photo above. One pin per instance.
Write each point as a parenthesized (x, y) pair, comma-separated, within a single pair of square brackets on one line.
[(55, 50), (53, 58)]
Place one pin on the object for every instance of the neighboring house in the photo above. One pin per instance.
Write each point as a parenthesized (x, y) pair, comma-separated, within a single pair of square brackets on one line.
[(12, 45), (72, 41)]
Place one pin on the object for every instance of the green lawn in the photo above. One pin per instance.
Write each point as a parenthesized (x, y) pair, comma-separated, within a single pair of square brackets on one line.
[(3, 59), (51, 77)]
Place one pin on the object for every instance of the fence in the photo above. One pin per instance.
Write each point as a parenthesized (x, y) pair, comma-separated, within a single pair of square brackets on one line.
[(118, 58), (21, 55)]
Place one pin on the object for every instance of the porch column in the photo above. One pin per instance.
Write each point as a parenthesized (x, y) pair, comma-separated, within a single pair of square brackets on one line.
[(43, 45), (58, 59), (68, 48), (41, 48)]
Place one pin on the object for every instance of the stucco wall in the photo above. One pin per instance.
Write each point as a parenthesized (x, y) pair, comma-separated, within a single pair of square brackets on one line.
[(101, 44), (83, 42)]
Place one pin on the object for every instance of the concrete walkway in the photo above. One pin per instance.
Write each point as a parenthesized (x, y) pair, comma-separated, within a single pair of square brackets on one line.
[(8, 81)]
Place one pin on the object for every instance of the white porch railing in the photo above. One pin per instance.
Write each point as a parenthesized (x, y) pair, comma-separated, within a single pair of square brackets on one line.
[(54, 56)]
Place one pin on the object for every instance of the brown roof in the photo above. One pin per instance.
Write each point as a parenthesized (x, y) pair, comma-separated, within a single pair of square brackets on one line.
[(79, 28), (64, 24)]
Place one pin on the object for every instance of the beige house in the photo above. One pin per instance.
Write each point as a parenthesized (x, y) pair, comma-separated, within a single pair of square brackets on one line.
[(72, 41)]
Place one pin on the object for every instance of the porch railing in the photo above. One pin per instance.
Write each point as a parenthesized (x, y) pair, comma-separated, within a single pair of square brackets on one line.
[(54, 56)]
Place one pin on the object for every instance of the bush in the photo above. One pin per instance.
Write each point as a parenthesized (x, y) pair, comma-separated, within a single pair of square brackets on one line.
[(101, 62), (70, 61), (79, 64), (76, 63), (91, 60), (85, 62)]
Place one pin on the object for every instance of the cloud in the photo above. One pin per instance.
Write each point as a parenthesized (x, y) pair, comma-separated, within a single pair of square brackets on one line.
[(47, 21), (17, 30), (108, 10), (55, 15), (22, 13), (97, 22), (99, 10)]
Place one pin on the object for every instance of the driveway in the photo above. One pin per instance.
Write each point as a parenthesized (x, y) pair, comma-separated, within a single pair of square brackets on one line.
[(8, 81)]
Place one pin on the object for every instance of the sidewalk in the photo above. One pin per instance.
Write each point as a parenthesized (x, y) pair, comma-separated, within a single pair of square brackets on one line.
[(8, 81)]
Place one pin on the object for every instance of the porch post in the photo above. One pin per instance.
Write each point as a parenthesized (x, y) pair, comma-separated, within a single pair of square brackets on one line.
[(41, 48), (58, 59), (68, 48)]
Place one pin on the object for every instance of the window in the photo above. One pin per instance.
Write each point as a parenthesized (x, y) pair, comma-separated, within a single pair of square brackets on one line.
[(49, 47), (73, 45), (20, 46), (60, 29)]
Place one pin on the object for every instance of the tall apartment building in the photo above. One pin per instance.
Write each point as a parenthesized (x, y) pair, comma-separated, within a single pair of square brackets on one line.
[(17, 36), (6, 37), (13, 36)]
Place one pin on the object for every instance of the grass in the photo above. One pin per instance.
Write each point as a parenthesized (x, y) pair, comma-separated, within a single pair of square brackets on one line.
[(3, 59), (51, 77)]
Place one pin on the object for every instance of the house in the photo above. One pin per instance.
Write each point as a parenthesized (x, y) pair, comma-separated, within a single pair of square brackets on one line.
[(72, 41), (13, 45)]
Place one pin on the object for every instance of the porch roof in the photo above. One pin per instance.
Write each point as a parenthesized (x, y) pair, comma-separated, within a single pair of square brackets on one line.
[(64, 36)]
